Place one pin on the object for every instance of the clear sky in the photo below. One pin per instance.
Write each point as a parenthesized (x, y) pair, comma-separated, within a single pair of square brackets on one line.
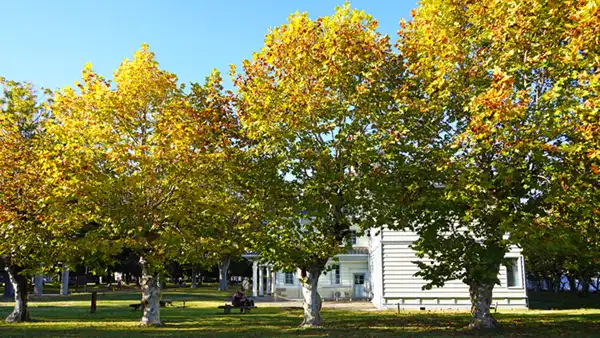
[(49, 42)]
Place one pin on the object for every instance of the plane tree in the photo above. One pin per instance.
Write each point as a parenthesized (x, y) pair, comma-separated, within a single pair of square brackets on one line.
[(491, 79), (37, 227), (142, 147), (308, 101)]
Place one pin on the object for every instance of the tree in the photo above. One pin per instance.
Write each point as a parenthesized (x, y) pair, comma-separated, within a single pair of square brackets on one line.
[(570, 224), (555, 249), (225, 212), (33, 231), (234, 223), (140, 147), (308, 100), (231, 242), (490, 78)]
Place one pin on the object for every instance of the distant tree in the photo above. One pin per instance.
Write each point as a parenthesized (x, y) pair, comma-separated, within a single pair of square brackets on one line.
[(569, 231), (555, 250), (225, 213)]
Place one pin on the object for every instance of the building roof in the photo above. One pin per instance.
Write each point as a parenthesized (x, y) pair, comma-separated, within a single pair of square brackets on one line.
[(359, 250)]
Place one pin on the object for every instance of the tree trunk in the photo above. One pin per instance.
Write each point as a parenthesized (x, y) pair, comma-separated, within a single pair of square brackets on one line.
[(311, 300), (150, 286), (584, 280), (193, 276), (223, 268), (572, 284), (481, 299), (64, 286), (585, 285), (38, 289), (19, 283)]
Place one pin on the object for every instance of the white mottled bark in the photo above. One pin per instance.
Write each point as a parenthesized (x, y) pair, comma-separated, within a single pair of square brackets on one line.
[(19, 283), (150, 286), (311, 300), (64, 286), (223, 268), (481, 299)]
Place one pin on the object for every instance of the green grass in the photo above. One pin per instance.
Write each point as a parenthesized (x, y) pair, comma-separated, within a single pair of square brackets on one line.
[(56, 316)]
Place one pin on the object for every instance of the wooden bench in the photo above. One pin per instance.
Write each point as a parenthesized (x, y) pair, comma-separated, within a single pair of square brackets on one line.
[(243, 309), (165, 302), (494, 306), (136, 306)]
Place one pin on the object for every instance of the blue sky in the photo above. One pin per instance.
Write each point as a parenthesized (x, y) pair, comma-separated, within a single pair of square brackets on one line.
[(49, 42)]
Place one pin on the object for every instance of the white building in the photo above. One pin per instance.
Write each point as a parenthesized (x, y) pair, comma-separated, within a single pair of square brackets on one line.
[(380, 268)]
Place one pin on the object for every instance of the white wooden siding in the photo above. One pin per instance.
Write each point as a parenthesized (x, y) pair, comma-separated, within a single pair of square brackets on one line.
[(401, 286)]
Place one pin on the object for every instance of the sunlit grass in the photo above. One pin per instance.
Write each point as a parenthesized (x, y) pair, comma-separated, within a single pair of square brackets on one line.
[(56, 316)]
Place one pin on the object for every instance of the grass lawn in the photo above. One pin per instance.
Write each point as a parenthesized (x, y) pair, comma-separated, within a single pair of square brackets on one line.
[(56, 316)]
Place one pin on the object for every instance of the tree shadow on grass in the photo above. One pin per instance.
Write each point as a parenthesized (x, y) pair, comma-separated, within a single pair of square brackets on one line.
[(115, 321), (451, 324), (199, 294)]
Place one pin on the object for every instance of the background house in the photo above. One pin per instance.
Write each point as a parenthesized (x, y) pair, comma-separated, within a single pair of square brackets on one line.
[(381, 268), (393, 281)]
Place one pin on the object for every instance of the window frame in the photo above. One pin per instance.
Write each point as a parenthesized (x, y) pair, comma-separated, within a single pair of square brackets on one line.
[(285, 278), (336, 275), (517, 271)]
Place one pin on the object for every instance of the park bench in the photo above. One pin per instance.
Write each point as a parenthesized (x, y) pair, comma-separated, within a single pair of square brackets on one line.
[(165, 302), (136, 306), (243, 308), (494, 306)]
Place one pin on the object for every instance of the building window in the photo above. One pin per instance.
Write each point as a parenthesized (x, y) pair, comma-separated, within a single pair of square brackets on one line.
[(335, 275), (513, 273), (289, 278), (353, 234), (359, 279)]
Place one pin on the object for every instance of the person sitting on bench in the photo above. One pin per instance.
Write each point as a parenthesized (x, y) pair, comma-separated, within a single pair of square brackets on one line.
[(239, 299)]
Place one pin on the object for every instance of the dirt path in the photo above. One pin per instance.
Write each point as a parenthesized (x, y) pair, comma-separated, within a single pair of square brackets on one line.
[(359, 306)]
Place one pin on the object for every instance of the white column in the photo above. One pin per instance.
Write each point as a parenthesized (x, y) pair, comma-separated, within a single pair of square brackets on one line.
[(255, 279), (269, 280), (261, 287), (273, 283)]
